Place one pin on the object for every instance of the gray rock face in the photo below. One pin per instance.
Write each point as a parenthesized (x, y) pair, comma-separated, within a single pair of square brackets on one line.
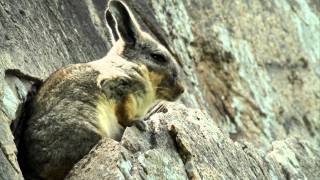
[(9, 168), (254, 63), (252, 67), (186, 144)]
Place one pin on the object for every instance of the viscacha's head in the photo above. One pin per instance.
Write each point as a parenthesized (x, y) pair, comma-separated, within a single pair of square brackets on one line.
[(131, 43)]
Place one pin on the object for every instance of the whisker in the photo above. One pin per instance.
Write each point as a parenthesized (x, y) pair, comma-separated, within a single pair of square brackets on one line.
[(162, 88)]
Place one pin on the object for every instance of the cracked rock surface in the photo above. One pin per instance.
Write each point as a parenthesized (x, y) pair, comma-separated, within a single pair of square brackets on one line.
[(184, 143), (252, 75)]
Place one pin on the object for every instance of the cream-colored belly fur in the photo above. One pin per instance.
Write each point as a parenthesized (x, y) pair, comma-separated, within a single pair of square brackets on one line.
[(108, 123), (106, 113)]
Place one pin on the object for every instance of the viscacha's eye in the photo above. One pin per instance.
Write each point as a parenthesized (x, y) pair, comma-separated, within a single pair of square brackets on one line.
[(158, 57)]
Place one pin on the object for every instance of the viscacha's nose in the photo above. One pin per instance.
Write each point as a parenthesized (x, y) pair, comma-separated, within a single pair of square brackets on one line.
[(180, 88)]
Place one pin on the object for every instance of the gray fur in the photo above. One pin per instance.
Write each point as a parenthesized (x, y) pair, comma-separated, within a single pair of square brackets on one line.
[(63, 126)]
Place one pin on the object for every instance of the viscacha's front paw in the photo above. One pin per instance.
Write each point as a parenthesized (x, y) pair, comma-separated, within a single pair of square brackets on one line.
[(141, 125)]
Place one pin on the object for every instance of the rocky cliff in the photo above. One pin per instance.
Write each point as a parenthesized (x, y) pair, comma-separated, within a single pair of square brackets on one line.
[(252, 69)]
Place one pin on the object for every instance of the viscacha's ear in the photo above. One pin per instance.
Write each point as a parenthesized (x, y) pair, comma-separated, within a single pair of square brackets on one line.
[(126, 25), (111, 24)]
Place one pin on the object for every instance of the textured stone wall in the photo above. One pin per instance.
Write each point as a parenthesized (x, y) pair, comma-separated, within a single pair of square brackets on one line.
[(36, 38), (254, 67)]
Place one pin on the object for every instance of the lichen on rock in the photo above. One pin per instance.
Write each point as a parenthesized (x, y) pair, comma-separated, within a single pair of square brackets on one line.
[(251, 69)]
